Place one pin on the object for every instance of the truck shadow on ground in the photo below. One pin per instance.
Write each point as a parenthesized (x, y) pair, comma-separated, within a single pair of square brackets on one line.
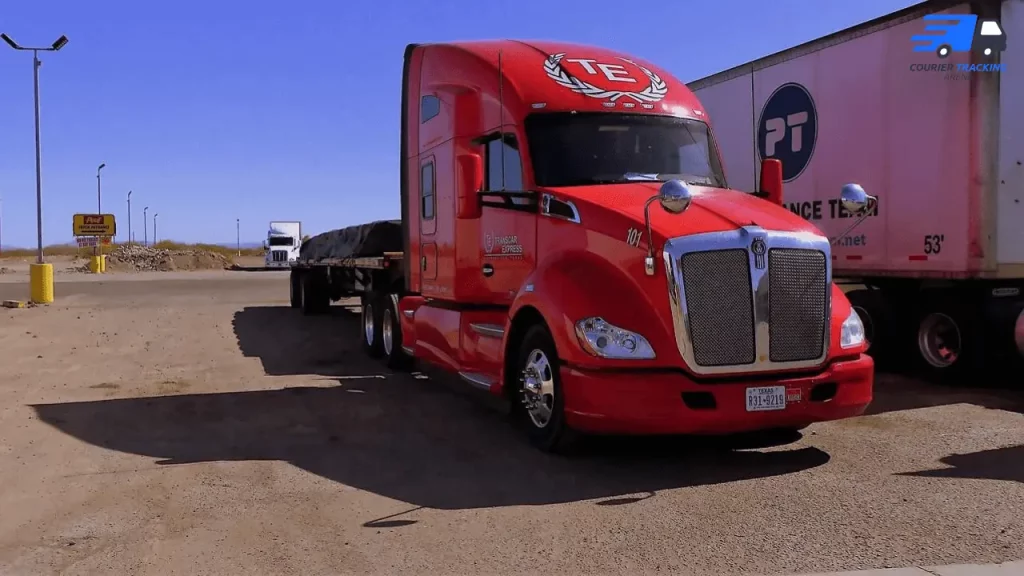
[(894, 393), (288, 343), (427, 442), (996, 464), (405, 439)]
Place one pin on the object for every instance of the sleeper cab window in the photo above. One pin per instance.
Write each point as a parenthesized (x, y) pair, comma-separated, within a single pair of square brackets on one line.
[(430, 106), (427, 191)]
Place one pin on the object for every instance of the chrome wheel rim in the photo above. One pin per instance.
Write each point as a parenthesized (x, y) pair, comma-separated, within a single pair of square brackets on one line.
[(368, 324), (939, 341), (538, 381), (386, 331)]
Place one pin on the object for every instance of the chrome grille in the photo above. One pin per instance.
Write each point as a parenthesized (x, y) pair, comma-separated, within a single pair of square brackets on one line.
[(717, 285), (798, 289), (750, 300), (278, 255)]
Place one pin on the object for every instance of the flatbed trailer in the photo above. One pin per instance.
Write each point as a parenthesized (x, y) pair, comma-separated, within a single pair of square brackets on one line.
[(348, 262)]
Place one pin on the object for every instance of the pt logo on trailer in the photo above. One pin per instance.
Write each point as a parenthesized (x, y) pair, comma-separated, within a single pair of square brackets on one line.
[(788, 129)]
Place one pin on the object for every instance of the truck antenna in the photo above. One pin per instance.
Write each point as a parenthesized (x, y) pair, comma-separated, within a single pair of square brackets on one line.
[(501, 118)]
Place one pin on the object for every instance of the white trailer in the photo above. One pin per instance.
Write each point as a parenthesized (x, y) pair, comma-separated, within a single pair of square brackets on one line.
[(923, 108), (283, 242)]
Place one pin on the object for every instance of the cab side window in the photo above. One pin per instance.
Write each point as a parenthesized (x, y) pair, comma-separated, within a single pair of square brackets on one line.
[(430, 106), (505, 151), (427, 191)]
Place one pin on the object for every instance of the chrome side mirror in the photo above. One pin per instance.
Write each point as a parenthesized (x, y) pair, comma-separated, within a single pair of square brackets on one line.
[(857, 202), (854, 199), (674, 197)]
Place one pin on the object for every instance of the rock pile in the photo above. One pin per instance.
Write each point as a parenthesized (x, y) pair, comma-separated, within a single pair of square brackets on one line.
[(143, 258)]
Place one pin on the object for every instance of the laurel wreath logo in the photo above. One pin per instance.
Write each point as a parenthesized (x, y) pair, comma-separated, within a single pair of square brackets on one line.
[(653, 93)]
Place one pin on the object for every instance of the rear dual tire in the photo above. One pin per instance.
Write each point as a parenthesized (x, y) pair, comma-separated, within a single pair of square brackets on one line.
[(295, 289), (381, 330), (316, 296)]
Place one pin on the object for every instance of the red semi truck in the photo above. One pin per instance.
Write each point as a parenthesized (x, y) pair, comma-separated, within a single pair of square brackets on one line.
[(923, 107), (568, 241)]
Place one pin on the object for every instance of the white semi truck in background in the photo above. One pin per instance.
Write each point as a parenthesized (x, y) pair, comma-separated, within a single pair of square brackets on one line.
[(283, 242), (924, 108)]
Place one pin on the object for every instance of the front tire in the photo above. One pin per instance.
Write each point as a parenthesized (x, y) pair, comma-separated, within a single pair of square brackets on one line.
[(539, 401)]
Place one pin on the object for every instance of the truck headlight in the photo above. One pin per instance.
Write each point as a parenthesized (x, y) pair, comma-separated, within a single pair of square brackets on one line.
[(609, 341), (852, 333)]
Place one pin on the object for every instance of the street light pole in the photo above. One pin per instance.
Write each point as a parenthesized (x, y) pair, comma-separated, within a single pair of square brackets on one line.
[(99, 209), (145, 227), (238, 237), (154, 228), (36, 63), (129, 217), (1, 225)]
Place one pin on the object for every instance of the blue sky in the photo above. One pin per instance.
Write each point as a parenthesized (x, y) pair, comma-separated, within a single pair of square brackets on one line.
[(214, 110)]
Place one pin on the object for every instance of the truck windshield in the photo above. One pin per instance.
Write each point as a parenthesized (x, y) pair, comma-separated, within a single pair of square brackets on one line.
[(280, 241), (606, 148)]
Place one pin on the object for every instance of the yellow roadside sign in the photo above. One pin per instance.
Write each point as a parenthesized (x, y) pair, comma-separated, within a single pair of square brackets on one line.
[(95, 225)]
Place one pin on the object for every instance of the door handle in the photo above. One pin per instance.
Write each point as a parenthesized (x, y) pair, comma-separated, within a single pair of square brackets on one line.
[(488, 270)]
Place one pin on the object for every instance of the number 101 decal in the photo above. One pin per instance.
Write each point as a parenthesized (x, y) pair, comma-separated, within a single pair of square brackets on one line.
[(633, 237)]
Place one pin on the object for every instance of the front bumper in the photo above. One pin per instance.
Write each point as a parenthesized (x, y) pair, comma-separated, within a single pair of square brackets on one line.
[(671, 403), (279, 264)]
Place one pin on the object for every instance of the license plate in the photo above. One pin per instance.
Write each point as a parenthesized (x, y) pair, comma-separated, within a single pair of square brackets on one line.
[(766, 398)]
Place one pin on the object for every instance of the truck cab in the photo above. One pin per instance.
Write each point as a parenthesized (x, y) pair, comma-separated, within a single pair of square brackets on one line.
[(282, 245), (572, 243)]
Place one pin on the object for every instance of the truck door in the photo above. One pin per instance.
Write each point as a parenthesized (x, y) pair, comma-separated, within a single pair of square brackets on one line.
[(508, 221)]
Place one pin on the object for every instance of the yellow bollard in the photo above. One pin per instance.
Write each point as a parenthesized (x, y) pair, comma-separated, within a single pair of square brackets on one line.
[(94, 265), (103, 264), (41, 283)]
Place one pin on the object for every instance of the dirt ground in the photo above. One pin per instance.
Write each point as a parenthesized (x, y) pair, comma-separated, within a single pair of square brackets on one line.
[(13, 269), (192, 423)]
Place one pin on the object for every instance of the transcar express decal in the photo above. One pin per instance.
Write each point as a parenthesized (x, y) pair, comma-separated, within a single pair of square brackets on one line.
[(654, 92)]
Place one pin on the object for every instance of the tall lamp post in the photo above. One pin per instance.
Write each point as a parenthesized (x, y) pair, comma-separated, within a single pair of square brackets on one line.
[(154, 228), (1, 225), (238, 237), (129, 217), (145, 227), (99, 210), (41, 275)]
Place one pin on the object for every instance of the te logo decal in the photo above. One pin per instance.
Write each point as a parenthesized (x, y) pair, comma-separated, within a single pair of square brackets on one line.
[(788, 129)]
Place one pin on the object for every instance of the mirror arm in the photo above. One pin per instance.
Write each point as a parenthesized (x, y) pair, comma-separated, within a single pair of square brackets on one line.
[(867, 209), (649, 260)]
